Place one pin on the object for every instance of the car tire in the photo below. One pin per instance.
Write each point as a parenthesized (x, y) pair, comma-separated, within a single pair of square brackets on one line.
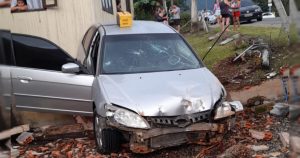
[(259, 19), (107, 139)]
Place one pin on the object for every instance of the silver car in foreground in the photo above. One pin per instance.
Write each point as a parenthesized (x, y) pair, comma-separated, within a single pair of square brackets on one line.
[(142, 84)]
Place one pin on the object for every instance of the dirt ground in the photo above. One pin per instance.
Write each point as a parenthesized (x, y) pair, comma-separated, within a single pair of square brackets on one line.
[(235, 143), (248, 72)]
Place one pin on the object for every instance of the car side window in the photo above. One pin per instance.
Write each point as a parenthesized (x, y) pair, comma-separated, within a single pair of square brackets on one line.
[(88, 37), (35, 52), (6, 55), (95, 51)]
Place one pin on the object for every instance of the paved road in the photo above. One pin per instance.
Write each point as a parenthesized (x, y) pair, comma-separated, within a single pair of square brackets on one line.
[(274, 22)]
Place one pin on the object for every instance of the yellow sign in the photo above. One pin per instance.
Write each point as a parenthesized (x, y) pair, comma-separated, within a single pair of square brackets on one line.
[(124, 19)]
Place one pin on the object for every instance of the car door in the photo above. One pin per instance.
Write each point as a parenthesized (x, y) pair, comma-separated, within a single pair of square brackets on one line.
[(40, 85), (6, 61)]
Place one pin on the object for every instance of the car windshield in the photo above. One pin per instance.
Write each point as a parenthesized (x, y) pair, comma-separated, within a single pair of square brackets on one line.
[(146, 53), (245, 3)]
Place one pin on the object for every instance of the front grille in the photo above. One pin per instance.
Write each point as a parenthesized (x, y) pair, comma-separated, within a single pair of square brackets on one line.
[(179, 121)]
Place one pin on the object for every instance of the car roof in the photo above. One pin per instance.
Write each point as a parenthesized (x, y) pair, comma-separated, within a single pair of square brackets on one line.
[(138, 27)]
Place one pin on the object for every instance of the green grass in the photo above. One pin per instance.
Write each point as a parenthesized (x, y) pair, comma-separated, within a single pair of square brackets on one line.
[(201, 45)]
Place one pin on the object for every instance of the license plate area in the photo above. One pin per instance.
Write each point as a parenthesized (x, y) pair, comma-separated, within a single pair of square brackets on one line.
[(248, 15)]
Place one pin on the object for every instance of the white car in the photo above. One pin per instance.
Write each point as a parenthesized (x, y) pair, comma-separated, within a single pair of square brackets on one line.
[(268, 15), (212, 19)]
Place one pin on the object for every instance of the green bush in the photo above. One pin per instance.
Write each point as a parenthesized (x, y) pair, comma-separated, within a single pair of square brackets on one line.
[(185, 18)]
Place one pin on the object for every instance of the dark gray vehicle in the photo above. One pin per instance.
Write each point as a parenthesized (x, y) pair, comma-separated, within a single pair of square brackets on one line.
[(250, 11), (142, 84)]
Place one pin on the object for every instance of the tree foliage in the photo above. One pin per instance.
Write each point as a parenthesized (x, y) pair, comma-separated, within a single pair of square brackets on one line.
[(144, 9)]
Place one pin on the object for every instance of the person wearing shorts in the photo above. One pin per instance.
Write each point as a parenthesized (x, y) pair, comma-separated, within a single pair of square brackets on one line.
[(217, 12), (175, 16), (235, 6), (225, 13)]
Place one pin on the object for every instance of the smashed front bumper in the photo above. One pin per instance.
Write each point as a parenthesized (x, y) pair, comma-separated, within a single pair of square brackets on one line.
[(145, 141), (199, 131)]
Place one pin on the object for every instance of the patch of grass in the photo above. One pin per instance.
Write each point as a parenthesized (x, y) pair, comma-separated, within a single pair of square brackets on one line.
[(201, 45), (293, 34)]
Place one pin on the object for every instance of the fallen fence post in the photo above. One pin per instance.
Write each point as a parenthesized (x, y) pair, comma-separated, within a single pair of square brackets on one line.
[(16, 130)]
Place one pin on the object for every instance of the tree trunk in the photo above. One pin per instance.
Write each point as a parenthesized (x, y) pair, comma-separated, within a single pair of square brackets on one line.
[(194, 16)]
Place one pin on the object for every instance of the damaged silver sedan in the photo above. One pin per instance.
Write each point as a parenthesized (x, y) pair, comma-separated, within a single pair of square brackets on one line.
[(143, 85), (155, 92)]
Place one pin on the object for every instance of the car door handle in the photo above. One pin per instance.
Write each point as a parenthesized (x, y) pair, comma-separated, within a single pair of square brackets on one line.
[(24, 79)]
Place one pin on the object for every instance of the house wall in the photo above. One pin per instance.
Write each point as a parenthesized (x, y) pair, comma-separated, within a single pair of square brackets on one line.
[(65, 25)]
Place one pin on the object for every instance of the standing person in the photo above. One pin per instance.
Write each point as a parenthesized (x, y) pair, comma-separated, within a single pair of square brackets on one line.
[(217, 12), (161, 15), (21, 6), (4, 3), (175, 15), (225, 13), (235, 6)]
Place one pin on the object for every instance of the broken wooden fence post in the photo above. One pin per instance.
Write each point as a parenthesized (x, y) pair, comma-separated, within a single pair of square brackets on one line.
[(16, 130)]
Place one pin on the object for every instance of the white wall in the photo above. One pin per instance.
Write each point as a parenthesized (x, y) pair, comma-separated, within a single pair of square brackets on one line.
[(65, 25)]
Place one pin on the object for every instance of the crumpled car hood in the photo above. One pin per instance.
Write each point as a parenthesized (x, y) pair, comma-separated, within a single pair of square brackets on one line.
[(162, 93)]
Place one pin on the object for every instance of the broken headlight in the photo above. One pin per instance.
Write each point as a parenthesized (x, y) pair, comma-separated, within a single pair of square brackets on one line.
[(127, 118), (227, 109), (223, 111)]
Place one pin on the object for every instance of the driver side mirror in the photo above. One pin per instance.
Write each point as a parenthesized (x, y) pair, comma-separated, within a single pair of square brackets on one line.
[(70, 68)]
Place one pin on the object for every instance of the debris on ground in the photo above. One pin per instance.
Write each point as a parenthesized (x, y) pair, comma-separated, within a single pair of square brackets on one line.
[(86, 123), (271, 74), (230, 39), (257, 148), (275, 154), (248, 68), (280, 109), (236, 151), (260, 135), (16, 130), (25, 138), (284, 138), (255, 101), (295, 143), (210, 38)]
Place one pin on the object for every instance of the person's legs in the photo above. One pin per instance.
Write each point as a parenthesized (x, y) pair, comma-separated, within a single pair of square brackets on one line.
[(238, 22), (227, 22), (235, 24), (223, 23)]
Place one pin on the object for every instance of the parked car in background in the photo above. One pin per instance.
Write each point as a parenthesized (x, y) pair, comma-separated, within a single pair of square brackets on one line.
[(250, 11), (268, 15), (212, 19), (208, 16), (143, 85)]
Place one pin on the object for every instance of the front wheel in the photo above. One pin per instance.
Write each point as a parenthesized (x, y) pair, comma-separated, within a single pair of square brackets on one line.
[(107, 139)]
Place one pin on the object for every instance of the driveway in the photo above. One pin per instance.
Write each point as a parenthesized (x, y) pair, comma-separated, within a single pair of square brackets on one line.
[(272, 22)]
